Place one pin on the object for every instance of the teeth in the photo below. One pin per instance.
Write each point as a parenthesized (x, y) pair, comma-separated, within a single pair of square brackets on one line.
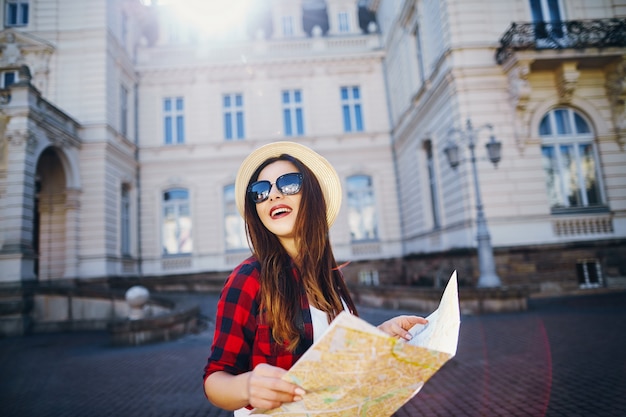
[(280, 211)]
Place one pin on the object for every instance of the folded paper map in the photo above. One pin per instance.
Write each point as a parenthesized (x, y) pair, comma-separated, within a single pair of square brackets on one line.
[(355, 369)]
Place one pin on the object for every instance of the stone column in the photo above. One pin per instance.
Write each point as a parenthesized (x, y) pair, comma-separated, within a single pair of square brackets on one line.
[(18, 196), (72, 209)]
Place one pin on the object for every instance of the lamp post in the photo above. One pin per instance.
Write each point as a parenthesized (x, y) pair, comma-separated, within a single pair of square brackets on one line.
[(488, 276)]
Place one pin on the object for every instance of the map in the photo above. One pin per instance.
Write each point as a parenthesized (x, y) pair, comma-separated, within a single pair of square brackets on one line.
[(355, 369)]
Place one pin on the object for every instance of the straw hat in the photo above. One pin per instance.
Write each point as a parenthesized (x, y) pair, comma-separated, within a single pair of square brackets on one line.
[(323, 170)]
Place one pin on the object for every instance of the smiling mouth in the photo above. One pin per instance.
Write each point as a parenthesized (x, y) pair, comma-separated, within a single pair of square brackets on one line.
[(280, 212)]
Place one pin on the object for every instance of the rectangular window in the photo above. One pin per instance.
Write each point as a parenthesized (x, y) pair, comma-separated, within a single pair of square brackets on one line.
[(16, 13), (432, 183), (571, 175), (362, 218), (234, 227), (287, 26), (547, 17), (173, 119), (369, 277), (589, 273), (176, 222), (351, 109), (125, 220), (344, 22), (292, 113), (233, 116), (123, 110), (8, 78)]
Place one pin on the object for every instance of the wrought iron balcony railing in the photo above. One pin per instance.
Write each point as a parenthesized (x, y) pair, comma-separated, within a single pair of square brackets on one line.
[(572, 34)]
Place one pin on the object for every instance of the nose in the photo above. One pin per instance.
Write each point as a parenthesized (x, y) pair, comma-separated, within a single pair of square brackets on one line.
[(274, 191)]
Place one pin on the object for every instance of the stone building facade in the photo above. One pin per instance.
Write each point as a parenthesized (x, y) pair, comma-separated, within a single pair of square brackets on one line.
[(122, 125)]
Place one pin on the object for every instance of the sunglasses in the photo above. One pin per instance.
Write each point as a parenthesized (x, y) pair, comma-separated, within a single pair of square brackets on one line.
[(287, 184)]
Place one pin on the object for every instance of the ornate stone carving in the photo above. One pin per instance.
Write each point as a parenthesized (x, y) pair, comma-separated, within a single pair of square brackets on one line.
[(566, 80), (19, 139), (19, 48), (616, 93), (519, 87), (11, 53), (519, 96)]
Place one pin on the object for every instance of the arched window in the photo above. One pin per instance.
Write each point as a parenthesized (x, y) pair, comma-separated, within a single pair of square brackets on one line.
[(570, 161), (234, 227), (361, 208), (176, 222)]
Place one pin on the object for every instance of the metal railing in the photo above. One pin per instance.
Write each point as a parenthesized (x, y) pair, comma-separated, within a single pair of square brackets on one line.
[(572, 34)]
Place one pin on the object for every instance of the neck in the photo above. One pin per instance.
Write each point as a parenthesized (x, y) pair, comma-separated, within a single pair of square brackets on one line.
[(290, 246)]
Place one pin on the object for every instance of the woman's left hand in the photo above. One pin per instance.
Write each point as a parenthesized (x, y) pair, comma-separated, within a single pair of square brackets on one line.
[(399, 326)]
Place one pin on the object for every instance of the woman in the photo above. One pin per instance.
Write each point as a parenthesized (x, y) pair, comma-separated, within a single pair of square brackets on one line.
[(276, 303)]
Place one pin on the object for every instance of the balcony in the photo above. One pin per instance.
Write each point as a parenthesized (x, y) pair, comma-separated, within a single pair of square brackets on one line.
[(573, 35)]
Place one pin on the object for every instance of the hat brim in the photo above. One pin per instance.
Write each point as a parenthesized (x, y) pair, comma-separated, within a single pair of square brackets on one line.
[(323, 170)]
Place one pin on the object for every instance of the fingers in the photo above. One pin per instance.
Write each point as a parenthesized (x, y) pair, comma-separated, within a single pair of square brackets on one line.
[(409, 321), (266, 389), (399, 326)]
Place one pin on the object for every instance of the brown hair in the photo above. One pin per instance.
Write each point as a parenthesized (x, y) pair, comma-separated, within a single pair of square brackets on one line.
[(321, 278)]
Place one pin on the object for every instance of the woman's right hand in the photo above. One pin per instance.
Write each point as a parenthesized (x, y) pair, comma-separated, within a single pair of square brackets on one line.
[(266, 389)]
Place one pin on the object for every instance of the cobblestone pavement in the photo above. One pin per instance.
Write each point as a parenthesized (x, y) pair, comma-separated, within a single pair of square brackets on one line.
[(563, 357)]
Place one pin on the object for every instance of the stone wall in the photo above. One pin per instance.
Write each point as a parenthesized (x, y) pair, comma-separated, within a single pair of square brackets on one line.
[(38, 308), (539, 267)]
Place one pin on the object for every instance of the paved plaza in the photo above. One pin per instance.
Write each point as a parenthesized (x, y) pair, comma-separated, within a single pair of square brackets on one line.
[(564, 357)]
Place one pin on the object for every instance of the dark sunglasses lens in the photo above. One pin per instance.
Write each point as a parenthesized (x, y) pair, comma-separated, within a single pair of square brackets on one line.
[(259, 191), (289, 183)]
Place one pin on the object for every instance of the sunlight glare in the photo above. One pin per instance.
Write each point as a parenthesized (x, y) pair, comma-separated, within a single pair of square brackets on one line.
[(212, 18)]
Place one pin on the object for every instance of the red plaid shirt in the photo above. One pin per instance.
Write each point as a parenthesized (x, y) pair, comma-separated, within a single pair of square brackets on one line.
[(240, 342)]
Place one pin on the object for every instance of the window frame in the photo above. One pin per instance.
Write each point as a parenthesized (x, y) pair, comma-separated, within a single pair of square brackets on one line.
[(343, 22), (293, 112), (233, 116), (549, 24), (231, 212), (174, 131), (22, 13), (3, 79), (352, 109), (124, 95), (431, 171), (354, 192), (554, 145), (287, 26), (178, 205)]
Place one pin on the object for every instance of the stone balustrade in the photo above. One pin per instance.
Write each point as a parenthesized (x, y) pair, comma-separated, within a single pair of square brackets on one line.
[(54, 308)]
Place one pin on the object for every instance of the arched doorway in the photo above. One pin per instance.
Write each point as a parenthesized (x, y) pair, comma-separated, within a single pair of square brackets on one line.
[(49, 220)]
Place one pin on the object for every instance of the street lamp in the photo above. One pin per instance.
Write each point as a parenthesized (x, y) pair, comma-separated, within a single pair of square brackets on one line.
[(488, 276)]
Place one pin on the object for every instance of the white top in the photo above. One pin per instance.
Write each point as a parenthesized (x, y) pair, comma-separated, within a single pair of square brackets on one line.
[(320, 324)]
